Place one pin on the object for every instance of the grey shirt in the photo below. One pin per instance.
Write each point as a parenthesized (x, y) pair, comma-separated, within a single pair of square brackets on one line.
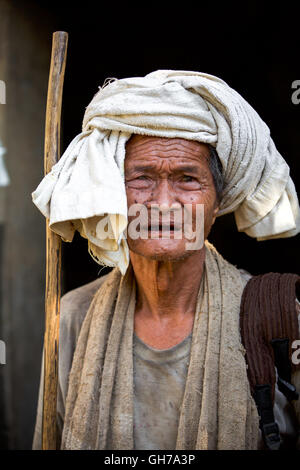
[(159, 382)]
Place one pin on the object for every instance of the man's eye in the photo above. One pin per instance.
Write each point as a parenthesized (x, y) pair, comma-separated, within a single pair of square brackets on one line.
[(187, 178), (137, 178), (189, 183), (142, 179), (139, 182)]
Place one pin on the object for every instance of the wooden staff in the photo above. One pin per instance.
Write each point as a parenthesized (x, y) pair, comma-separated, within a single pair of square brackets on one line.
[(53, 243)]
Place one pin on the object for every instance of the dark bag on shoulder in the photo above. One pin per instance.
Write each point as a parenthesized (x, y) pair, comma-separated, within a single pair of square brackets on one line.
[(269, 326)]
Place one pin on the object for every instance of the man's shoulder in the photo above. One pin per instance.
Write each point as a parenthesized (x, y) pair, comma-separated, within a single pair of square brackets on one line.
[(75, 304)]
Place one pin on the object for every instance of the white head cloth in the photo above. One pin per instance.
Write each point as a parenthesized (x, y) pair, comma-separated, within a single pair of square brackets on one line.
[(88, 181)]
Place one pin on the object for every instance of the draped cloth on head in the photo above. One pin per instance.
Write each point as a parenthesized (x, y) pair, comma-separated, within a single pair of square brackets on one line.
[(87, 185)]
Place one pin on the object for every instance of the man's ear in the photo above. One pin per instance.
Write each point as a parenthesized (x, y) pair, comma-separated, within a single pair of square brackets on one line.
[(215, 212)]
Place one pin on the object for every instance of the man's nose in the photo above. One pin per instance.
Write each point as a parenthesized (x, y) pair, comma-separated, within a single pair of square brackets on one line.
[(164, 197)]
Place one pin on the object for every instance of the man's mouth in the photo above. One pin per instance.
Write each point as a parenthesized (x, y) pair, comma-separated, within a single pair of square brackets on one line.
[(163, 227)]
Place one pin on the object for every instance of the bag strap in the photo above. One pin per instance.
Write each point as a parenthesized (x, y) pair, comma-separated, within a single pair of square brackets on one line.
[(269, 325)]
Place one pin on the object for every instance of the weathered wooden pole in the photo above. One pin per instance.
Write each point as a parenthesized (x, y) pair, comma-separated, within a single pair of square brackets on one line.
[(53, 243)]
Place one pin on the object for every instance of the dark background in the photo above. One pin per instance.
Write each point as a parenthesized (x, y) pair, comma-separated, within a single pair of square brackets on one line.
[(251, 46)]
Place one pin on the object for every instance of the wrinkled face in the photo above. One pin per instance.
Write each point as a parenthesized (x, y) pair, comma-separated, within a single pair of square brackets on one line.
[(168, 175)]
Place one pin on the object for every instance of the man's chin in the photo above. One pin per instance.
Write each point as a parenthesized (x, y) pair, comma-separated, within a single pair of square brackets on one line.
[(160, 251), (169, 256)]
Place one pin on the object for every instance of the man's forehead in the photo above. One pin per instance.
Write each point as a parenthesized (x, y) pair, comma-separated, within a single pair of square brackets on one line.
[(139, 146)]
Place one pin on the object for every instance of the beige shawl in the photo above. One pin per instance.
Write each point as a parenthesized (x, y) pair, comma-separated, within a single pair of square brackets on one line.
[(217, 412)]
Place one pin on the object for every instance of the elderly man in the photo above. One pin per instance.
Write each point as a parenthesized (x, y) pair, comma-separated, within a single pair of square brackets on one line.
[(150, 354)]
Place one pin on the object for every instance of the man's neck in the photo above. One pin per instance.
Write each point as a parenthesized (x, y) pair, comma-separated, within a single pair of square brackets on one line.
[(167, 289)]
